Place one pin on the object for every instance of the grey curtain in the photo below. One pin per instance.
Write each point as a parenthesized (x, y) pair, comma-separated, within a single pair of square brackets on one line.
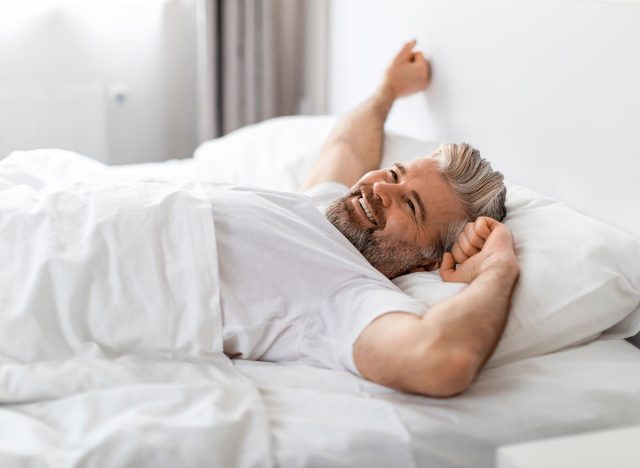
[(259, 59), (245, 65)]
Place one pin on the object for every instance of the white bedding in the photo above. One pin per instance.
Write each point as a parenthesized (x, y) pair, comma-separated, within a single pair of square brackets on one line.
[(107, 266), (321, 417), (187, 409), (110, 326), (131, 411)]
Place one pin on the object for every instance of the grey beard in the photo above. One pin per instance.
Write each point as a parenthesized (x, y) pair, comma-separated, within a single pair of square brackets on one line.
[(392, 259)]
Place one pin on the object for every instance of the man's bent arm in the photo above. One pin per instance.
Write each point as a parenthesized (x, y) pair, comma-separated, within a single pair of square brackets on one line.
[(354, 147), (440, 353)]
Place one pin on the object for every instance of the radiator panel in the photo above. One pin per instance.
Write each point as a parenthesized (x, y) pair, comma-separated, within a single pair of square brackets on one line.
[(71, 116)]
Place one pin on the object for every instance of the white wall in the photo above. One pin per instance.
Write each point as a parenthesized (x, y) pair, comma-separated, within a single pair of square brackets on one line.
[(549, 91), (146, 48)]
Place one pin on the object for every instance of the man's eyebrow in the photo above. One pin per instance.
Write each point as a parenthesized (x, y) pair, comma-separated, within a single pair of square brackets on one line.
[(401, 168), (423, 212)]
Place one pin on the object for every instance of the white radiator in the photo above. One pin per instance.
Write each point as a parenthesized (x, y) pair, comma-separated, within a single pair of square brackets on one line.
[(71, 116)]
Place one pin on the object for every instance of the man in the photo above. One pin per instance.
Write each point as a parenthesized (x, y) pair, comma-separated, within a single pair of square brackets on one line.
[(333, 308), (112, 266)]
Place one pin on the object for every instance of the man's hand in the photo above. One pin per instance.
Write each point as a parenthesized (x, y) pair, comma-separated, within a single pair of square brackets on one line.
[(408, 73), (482, 245)]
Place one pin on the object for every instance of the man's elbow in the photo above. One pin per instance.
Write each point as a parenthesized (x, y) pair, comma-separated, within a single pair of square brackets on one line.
[(443, 374), (396, 351)]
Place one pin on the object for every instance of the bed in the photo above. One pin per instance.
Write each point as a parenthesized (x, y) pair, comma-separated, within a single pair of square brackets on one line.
[(142, 409)]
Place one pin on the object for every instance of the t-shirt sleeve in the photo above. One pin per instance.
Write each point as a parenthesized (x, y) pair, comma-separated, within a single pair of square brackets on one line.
[(323, 194), (330, 332)]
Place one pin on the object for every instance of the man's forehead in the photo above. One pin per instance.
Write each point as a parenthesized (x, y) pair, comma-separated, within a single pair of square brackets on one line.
[(421, 167), (422, 163)]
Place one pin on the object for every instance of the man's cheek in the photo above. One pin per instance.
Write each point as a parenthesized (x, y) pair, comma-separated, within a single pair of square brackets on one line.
[(393, 235)]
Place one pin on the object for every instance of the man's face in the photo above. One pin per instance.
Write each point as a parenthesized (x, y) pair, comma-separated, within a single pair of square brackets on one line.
[(406, 208)]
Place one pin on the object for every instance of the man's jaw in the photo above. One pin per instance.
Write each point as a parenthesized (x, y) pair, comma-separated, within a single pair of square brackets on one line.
[(389, 259)]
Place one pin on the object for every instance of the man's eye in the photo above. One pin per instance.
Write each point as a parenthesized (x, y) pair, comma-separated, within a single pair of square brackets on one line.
[(394, 175), (413, 209)]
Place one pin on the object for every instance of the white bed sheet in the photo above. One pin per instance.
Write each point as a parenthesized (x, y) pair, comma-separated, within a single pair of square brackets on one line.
[(320, 417)]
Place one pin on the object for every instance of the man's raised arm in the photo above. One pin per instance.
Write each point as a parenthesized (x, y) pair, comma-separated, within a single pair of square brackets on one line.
[(354, 147), (440, 353)]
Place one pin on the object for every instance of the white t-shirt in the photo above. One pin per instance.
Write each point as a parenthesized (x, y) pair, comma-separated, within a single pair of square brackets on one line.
[(292, 287)]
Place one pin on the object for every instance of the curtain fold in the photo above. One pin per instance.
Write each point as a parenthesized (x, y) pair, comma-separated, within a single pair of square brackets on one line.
[(247, 69), (255, 61)]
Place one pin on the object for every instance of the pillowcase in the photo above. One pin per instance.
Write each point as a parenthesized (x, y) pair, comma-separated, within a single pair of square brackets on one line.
[(278, 153), (274, 154), (578, 278)]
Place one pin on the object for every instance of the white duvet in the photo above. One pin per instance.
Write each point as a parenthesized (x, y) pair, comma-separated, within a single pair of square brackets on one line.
[(110, 328), (107, 267)]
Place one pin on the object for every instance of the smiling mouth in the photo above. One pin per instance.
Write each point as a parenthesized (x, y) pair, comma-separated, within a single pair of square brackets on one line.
[(367, 210)]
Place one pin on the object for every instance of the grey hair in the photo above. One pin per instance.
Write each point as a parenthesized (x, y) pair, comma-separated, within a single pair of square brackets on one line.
[(445, 243), (477, 186)]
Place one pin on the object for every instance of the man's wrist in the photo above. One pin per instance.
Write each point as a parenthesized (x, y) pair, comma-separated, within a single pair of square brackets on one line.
[(505, 272), (386, 93)]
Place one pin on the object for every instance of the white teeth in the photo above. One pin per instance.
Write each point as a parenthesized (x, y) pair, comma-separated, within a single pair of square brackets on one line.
[(364, 206)]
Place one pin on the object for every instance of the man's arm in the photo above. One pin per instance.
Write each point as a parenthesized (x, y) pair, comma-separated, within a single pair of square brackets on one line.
[(440, 353), (354, 147)]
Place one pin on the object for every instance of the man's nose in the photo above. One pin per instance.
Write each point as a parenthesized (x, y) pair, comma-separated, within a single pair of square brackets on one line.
[(385, 192)]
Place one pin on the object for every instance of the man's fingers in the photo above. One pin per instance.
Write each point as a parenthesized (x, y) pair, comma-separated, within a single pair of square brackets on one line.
[(418, 58), (466, 246), (483, 226), (458, 255), (474, 239), (447, 267), (406, 51)]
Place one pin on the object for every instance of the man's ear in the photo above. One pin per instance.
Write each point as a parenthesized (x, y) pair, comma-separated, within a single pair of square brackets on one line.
[(428, 266)]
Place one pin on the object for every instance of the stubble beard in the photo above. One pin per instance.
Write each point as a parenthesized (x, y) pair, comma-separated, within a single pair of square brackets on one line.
[(391, 258)]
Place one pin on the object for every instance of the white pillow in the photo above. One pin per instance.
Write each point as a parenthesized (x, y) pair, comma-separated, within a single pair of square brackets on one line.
[(579, 277), (278, 153), (275, 154)]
